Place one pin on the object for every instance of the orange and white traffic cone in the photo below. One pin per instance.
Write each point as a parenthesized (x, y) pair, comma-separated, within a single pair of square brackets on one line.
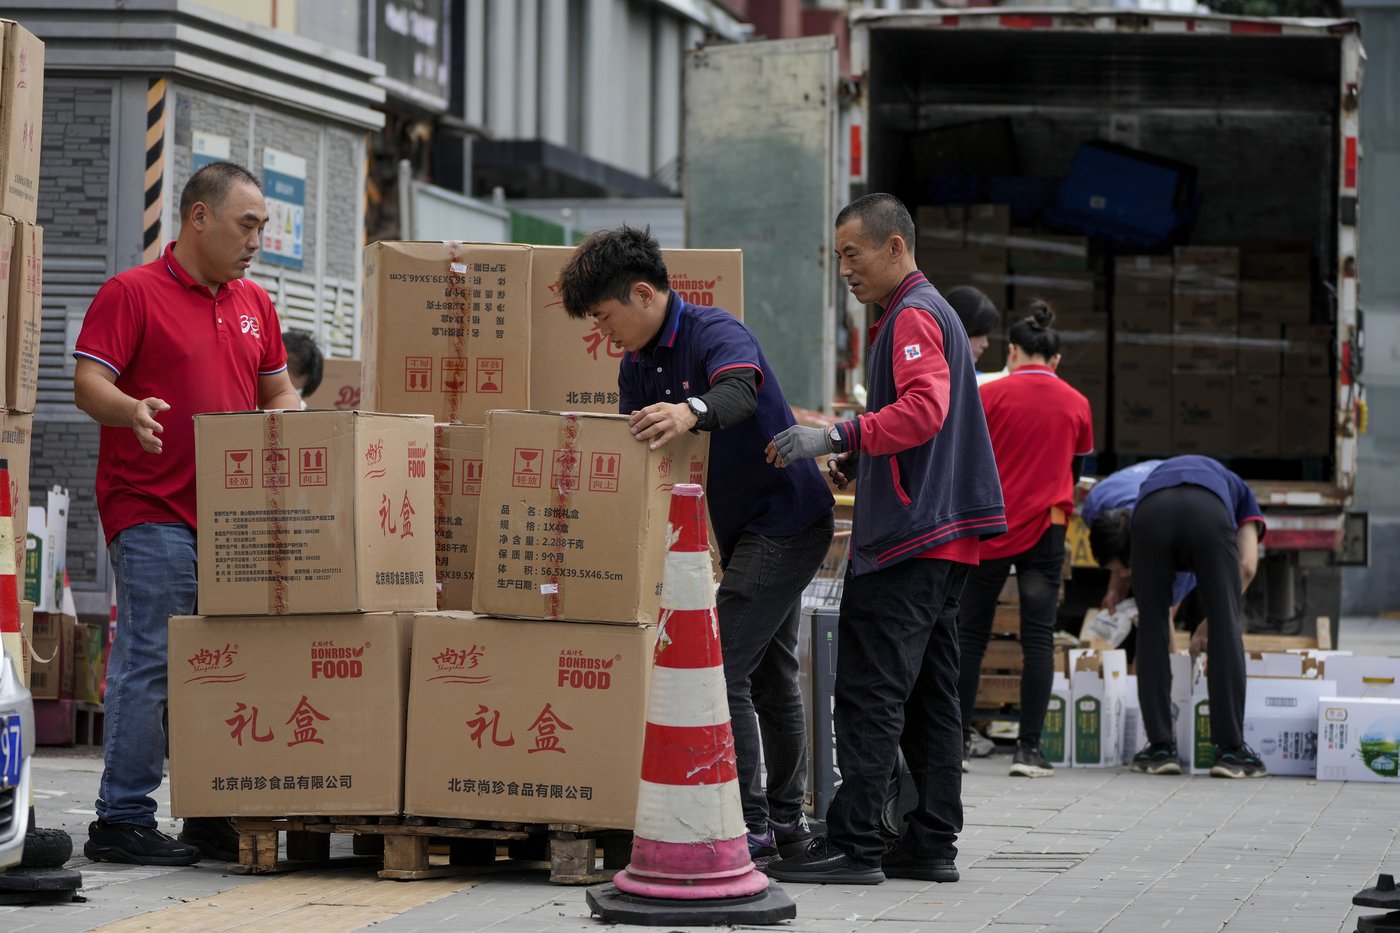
[(690, 854), (10, 632)]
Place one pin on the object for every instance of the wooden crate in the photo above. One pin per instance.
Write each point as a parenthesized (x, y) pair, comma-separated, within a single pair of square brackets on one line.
[(401, 846)]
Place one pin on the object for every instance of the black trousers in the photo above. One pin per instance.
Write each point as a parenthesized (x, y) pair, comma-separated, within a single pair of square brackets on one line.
[(897, 688), (1038, 572), (1188, 528)]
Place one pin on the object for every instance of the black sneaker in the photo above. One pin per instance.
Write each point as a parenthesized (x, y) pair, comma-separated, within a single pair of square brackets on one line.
[(967, 755), (821, 863), (1238, 762), (1029, 762), (1156, 758), (762, 850), (213, 836), (136, 845), (900, 862), (792, 838)]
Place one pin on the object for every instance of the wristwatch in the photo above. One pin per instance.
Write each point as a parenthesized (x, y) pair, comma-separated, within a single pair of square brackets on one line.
[(700, 409), (837, 442)]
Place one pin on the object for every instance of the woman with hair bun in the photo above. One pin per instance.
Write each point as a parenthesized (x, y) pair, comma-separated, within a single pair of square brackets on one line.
[(1041, 430)]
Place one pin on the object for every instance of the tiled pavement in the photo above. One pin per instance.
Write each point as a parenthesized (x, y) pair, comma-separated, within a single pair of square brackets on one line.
[(1086, 850)]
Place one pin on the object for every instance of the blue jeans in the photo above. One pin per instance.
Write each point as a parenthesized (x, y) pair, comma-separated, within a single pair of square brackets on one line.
[(155, 566), (760, 608)]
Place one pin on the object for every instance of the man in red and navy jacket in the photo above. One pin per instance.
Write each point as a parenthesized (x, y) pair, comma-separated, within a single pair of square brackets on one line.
[(928, 492)]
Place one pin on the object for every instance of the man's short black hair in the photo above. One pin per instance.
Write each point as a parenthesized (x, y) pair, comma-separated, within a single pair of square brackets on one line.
[(881, 216), (1110, 537), (607, 264), (304, 358), (976, 311), (211, 184)]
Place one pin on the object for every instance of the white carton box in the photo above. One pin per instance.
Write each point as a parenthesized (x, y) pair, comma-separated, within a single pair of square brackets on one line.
[(1280, 722), (1364, 677), (1277, 664), (1098, 685), (1134, 732), (1057, 735), (1358, 740), (1191, 715)]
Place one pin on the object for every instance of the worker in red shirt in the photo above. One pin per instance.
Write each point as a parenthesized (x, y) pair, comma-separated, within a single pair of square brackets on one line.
[(161, 343), (1041, 431)]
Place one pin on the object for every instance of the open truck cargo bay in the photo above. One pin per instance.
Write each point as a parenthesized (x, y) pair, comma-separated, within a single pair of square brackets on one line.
[(1263, 111)]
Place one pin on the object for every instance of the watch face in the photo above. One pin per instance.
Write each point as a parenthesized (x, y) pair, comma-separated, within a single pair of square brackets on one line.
[(697, 405)]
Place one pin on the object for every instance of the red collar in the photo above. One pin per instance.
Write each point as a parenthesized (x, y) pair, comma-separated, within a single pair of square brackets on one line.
[(1033, 369)]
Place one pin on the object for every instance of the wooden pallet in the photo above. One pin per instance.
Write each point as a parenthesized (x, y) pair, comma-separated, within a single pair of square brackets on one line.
[(402, 844)]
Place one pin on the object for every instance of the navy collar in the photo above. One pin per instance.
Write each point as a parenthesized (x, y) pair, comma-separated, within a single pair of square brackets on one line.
[(670, 328)]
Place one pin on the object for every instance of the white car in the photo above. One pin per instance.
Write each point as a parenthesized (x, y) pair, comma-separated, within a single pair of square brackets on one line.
[(16, 749)]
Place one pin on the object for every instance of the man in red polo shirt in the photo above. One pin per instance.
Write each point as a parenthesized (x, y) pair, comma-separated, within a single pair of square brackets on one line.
[(161, 343)]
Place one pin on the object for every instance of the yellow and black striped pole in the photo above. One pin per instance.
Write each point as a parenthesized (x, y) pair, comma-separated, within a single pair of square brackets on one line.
[(155, 169)]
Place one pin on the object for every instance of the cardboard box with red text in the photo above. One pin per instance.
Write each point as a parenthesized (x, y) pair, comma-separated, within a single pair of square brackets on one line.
[(446, 328), (297, 715), (23, 317), (340, 386), (314, 511), (572, 368), (16, 438), (21, 120), (526, 721), (51, 648), (574, 515), (458, 463)]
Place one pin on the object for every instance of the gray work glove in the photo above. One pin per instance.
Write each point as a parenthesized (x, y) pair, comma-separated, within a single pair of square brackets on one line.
[(802, 443)]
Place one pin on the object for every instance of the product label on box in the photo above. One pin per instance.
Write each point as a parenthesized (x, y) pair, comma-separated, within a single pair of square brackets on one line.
[(1088, 731), (1052, 733), (1288, 744), (1205, 751)]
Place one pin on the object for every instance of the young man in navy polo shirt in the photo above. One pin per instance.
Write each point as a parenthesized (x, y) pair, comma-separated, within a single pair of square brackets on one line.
[(161, 343), (1189, 514), (927, 493), (689, 368)]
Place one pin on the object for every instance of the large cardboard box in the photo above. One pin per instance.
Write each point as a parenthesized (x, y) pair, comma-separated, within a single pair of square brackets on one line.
[(526, 721), (23, 317), (1204, 349), (446, 328), (1280, 722), (1142, 312), (1203, 410), (314, 511), (458, 465), (574, 516), (294, 715), (1073, 295), (1260, 350), (21, 120), (1134, 730), (940, 227), (1275, 303), (1142, 415), (1307, 431), (1257, 415), (16, 436), (51, 646), (1160, 267), (572, 368), (1033, 253), (340, 386), (1098, 686), (1364, 677), (1358, 740), (1307, 350), (988, 225), (1207, 308), (1208, 266)]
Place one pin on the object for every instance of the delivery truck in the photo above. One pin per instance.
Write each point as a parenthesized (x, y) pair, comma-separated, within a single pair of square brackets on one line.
[(1182, 187)]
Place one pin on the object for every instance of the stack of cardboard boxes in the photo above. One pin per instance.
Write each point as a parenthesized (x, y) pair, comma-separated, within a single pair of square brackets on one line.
[(338, 668), (21, 284)]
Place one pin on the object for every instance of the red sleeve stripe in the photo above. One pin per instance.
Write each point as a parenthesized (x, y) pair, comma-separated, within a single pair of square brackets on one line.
[(273, 372), (724, 369), (935, 537)]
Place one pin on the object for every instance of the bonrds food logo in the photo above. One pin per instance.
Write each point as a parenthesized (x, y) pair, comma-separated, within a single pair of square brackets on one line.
[(580, 671), (330, 661)]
